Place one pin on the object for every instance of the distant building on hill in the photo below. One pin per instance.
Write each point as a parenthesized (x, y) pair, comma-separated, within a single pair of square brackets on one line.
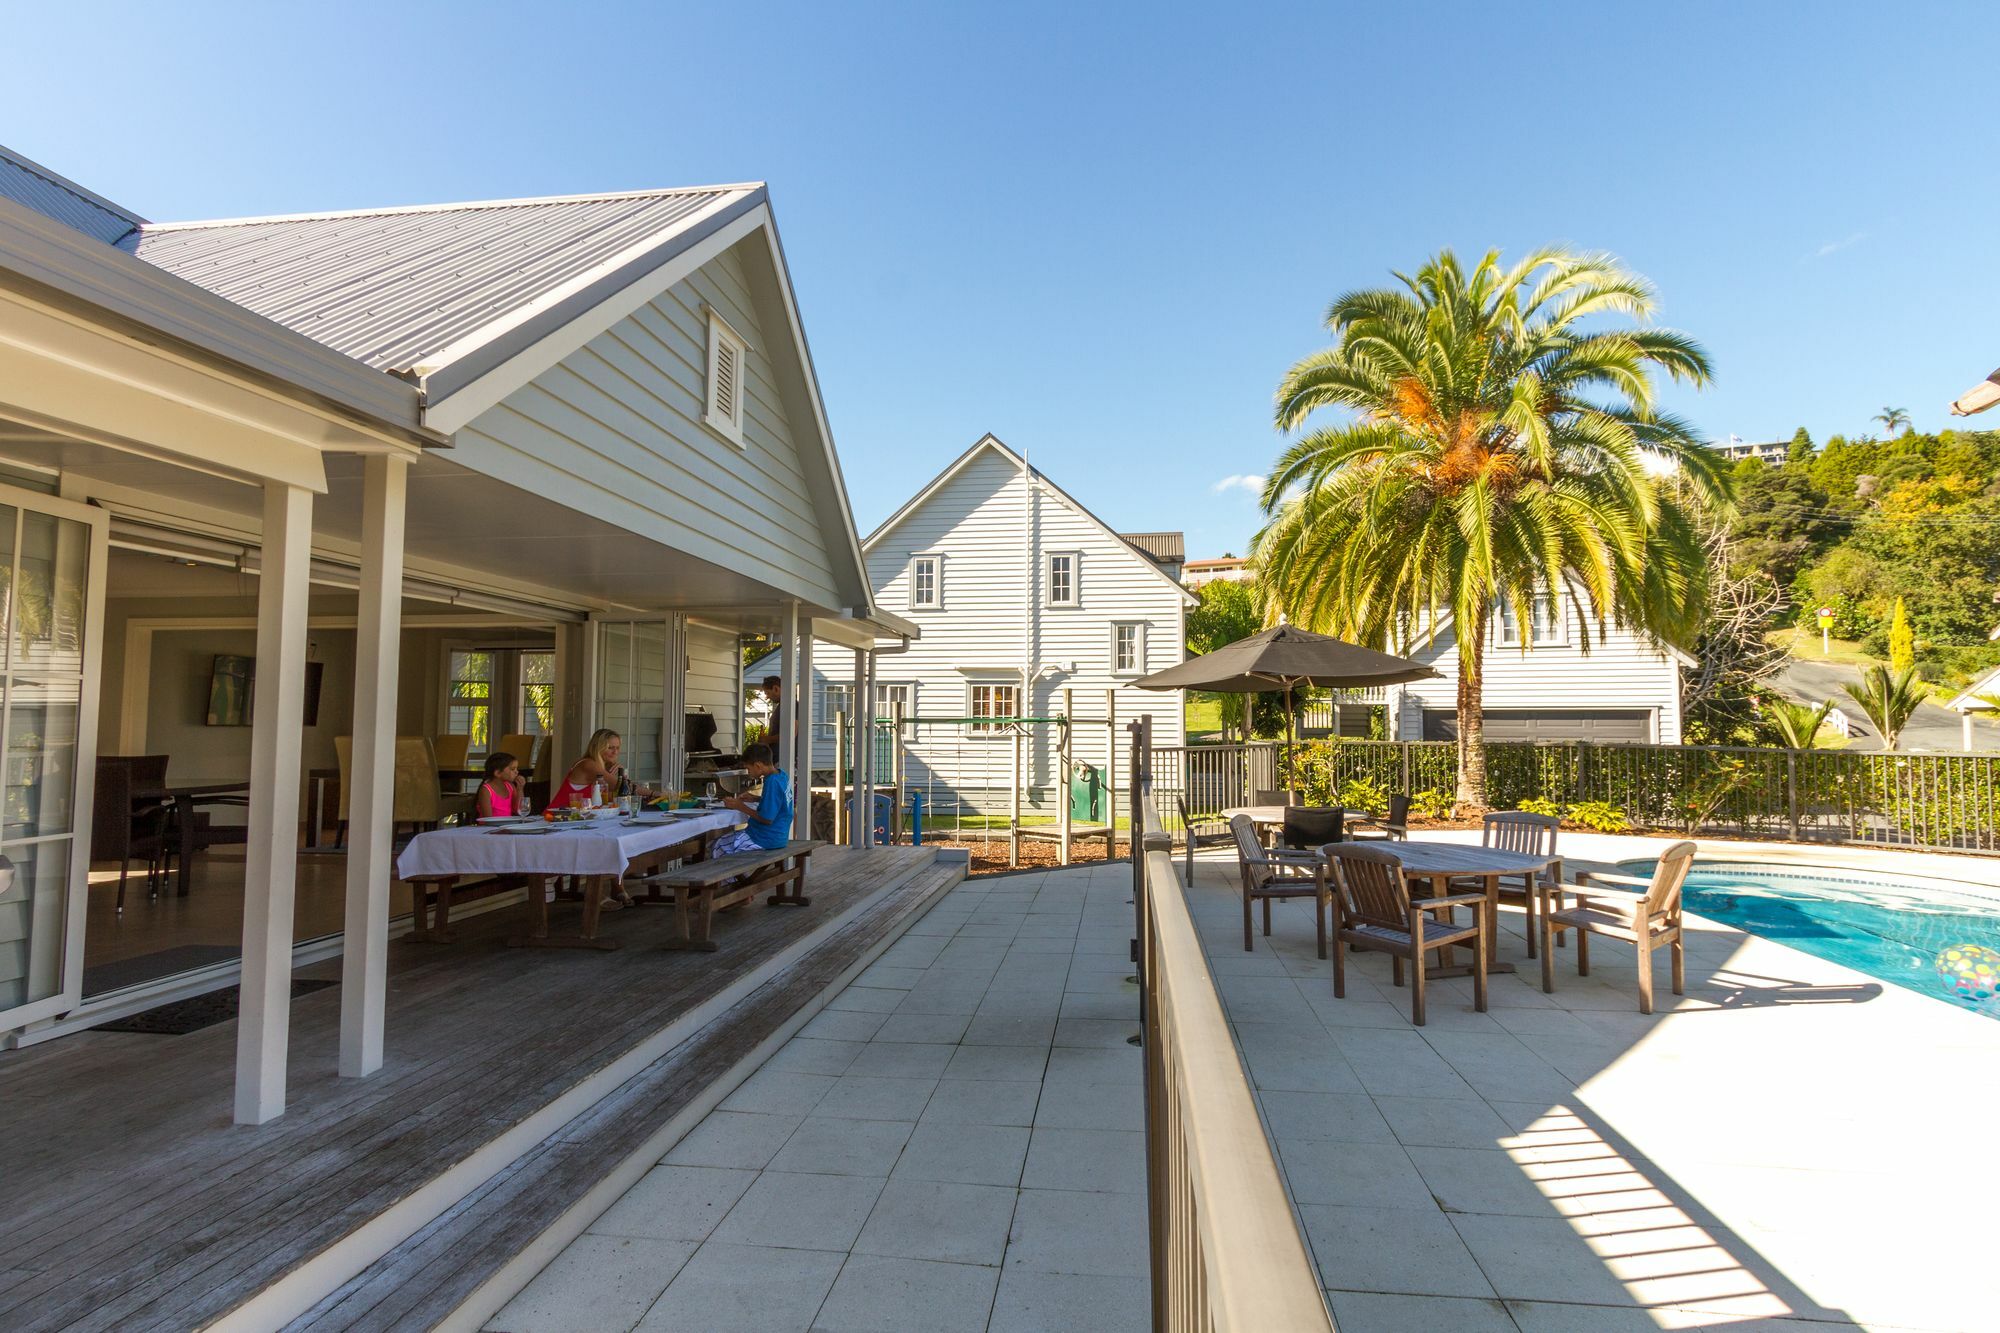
[(1736, 449), (1228, 569)]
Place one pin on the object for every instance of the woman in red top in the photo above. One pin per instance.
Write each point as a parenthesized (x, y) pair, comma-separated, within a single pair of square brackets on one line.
[(593, 777)]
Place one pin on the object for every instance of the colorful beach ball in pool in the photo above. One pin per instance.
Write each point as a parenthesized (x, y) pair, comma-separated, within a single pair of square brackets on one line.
[(1969, 972)]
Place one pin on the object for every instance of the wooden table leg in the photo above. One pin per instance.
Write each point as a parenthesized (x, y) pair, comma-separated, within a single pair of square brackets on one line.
[(694, 921), (538, 936), (422, 931), (1491, 911), (184, 816), (593, 905)]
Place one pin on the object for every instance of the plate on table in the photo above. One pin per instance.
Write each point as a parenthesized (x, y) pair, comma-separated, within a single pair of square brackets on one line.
[(507, 819), (534, 829)]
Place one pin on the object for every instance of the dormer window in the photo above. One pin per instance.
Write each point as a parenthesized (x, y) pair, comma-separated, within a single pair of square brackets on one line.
[(728, 358)]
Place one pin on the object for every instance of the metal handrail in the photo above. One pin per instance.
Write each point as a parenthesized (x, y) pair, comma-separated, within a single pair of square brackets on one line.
[(1226, 1248)]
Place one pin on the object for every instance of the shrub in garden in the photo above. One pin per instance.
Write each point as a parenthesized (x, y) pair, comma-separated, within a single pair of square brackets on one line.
[(1599, 817)]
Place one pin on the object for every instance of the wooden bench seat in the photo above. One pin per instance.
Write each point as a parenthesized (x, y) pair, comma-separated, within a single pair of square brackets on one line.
[(702, 888)]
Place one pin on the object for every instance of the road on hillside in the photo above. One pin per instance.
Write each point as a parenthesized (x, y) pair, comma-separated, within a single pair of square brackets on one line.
[(1933, 728)]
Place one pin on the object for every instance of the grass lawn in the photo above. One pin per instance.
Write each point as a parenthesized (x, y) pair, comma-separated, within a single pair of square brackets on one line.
[(1804, 643), (1204, 718)]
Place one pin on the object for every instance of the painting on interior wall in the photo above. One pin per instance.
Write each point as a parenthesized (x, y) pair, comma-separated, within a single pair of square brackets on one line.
[(232, 691)]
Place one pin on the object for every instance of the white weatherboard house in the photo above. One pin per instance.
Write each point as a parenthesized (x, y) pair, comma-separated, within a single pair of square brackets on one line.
[(1010, 578), (1625, 690), (525, 467)]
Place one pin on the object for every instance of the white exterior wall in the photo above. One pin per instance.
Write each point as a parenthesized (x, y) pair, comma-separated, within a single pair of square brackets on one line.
[(713, 659), (615, 430), (991, 621), (1622, 671)]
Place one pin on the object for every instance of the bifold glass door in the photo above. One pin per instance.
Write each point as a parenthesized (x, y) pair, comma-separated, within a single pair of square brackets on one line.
[(51, 581), (632, 692)]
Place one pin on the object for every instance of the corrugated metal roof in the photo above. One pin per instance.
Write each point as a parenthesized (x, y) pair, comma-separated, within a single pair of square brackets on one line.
[(1162, 548), (34, 186), (395, 287)]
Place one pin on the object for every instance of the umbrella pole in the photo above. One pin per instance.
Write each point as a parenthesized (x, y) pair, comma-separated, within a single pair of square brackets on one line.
[(1291, 746)]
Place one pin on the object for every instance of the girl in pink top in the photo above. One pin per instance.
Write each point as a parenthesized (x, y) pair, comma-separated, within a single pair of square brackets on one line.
[(500, 793)]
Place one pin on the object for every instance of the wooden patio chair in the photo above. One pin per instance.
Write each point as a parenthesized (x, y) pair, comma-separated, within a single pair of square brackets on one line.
[(123, 826), (1531, 835), (1648, 919), (1394, 825), (1277, 874), (521, 745), (1373, 910), (1270, 796), (1205, 831)]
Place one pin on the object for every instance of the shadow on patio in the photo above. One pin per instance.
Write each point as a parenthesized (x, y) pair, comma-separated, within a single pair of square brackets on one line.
[(1746, 1157)]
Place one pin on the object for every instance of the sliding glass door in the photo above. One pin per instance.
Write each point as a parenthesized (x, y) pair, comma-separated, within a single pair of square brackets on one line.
[(52, 556)]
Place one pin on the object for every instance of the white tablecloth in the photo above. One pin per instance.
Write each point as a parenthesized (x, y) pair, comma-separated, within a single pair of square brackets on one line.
[(603, 847)]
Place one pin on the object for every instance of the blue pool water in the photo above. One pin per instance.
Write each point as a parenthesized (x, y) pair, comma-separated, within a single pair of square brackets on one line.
[(1923, 935)]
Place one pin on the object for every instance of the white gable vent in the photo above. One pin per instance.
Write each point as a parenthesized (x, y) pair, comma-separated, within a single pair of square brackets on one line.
[(727, 354)]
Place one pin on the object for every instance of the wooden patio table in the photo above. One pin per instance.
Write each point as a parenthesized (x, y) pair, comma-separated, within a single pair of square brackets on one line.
[(1441, 862), (185, 797), (599, 851)]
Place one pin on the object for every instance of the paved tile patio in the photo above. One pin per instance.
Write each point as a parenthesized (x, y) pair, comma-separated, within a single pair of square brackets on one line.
[(1785, 1148), (956, 1142)]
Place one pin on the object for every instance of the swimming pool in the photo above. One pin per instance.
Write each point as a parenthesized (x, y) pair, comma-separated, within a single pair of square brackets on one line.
[(1928, 936)]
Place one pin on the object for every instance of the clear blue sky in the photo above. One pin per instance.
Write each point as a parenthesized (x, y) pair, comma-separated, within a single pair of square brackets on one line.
[(1103, 232)]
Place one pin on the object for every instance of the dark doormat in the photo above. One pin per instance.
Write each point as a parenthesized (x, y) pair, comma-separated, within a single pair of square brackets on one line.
[(192, 1015)]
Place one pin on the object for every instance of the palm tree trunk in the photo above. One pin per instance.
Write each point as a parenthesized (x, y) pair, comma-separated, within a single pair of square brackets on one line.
[(1471, 718)]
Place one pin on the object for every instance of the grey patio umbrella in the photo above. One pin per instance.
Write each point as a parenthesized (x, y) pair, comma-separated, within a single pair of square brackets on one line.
[(1285, 657)]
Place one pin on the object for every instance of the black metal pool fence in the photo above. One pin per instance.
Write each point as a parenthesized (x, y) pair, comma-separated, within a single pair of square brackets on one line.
[(1941, 802)]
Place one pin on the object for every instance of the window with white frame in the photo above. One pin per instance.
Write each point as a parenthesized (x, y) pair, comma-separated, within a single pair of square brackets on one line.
[(1548, 629), (992, 699), (1128, 648), (888, 696), (728, 364), (926, 583), (1062, 578), (834, 700)]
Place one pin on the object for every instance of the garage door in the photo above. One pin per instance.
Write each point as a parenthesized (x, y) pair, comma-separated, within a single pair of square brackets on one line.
[(1607, 726)]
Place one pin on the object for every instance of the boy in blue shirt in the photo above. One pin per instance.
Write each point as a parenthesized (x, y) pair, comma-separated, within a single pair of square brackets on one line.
[(770, 819)]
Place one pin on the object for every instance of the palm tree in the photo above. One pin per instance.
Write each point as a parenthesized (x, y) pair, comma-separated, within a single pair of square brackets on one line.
[(1504, 445), (1887, 700), (1894, 420), (1796, 723)]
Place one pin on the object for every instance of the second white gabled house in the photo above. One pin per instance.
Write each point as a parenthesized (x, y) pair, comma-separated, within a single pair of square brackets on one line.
[(1025, 599)]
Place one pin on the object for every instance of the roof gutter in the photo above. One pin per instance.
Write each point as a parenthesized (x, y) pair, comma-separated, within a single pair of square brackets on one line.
[(60, 267)]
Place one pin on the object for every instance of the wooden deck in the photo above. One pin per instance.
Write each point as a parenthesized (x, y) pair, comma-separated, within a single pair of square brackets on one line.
[(134, 1203)]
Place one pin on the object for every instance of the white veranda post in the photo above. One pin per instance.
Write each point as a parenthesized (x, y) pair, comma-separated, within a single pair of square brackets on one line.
[(801, 704), (365, 946), (271, 857)]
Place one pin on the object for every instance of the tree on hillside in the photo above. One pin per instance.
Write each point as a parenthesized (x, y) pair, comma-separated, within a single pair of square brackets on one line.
[(1501, 425), (1781, 521), (1902, 640), (1894, 420), (1734, 655), (1800, 452)]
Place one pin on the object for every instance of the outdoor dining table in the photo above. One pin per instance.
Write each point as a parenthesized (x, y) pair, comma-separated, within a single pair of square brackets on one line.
[(599, 850), (185, 797), (1439, 863), (1273, 816)]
